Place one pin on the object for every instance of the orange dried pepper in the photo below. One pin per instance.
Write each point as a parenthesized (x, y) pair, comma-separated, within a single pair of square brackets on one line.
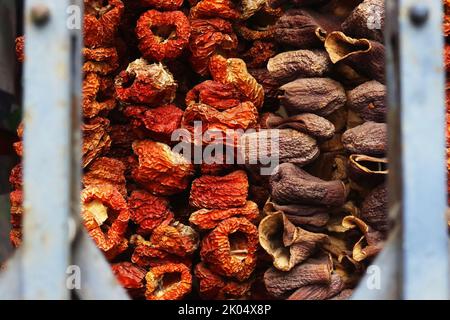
[(213, 286), (162, 35), (105, 215), (101, 60), (234, 71), (168, 282), (106, 171), (97, 95), (144, 83), (16, 177), (176, 238), (96, 140), (131, 277), (160, 170), (101, 21), (205, 219), (215, 94), (230, 249), (215, 8), (148, 211), (259, 54), (211, 192), (158, 123), (207, 38)]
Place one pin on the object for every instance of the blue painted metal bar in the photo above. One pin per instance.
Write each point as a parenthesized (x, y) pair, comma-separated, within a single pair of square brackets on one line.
[(47, 143), (422, 88)]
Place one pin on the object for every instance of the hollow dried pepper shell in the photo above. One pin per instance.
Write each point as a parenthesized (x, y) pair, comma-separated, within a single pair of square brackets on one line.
[(234, 71), (281, 284), (176, 238), (230, 249), (212, 192), (213, 286), (363, 55), (370, 244), (158, 124), (160, 170), (160, 46), (367, 171), (103, 61), (215, 8), (209, 36), (96, 98), (105, 215), (96, 140), (101, 21), (292, 185), (215, 94), (287, 244), (20, 49), (205, 219), (144, 83), (148, 211), (158, 289), (162, 4), (106, 171), (261, 26)]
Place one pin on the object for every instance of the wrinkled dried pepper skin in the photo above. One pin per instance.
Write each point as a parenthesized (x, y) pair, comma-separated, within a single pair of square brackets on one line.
[(208, 36), (212, 192), (160, 170), (107, 198), (155, 288), (236, 259), (131, 277), (144, 83), (162, 4), (157, 47)]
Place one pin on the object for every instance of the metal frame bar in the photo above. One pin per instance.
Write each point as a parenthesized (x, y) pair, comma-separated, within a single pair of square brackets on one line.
[(414, 263), (52, 168)]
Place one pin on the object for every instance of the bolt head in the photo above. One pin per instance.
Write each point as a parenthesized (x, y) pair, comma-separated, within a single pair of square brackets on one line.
[(40, 15), (419, 14)]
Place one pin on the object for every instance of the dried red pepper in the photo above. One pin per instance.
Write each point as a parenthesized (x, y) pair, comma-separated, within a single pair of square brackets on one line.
[(162, 4), (162, 35), (105, 215), (207, 38), (131, 277), (215, 94), (101, 60), (168, 282), (160, 170), (96, 140), (104, 171), (148, 211), (211, 192), (158, 123), (101, 21), (20, 49), (230, 249), (176, 238), (97, 95), (144, 83)]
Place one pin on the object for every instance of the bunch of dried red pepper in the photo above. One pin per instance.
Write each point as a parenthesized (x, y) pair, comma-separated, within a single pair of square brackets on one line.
[(310, 71)]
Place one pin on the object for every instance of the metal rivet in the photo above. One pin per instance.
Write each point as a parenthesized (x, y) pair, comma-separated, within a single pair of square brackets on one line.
[(419, 14), (40, 15)]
